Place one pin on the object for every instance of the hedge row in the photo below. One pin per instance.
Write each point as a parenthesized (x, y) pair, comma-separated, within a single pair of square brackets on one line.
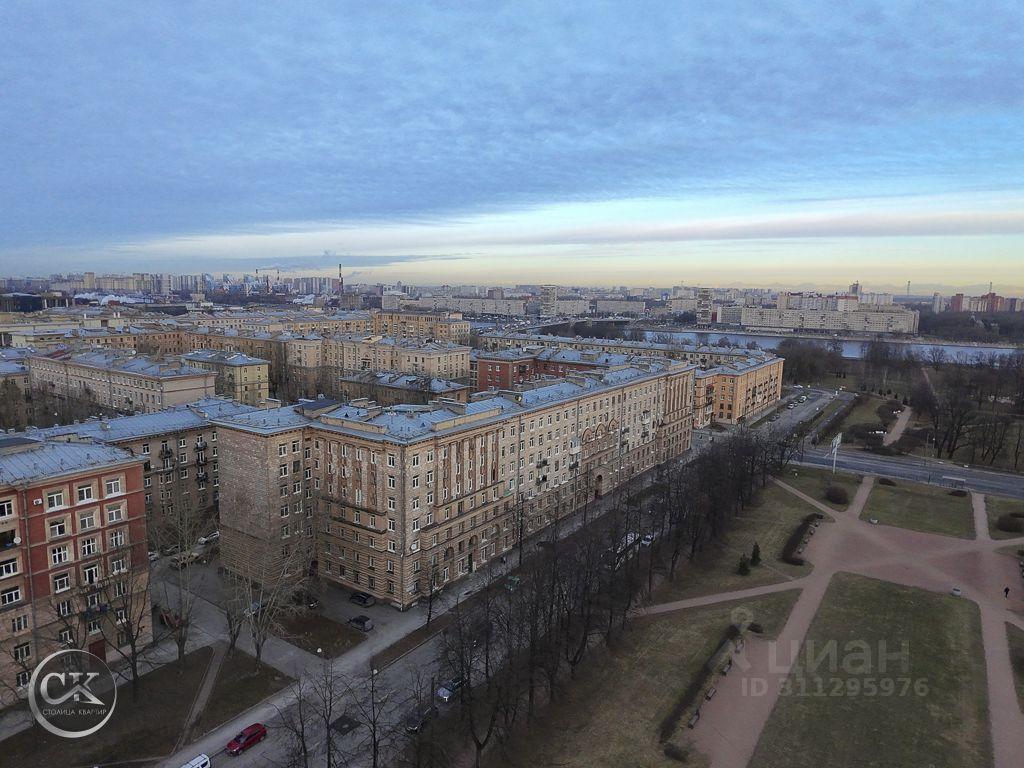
[(789, 552)]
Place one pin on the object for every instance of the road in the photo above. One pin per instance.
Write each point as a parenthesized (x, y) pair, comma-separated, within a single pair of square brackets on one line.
[(920, 470)]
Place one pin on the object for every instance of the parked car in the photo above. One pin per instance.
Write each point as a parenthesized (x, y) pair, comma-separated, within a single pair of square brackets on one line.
[(210, 537), (363, 599), (362, 623), (183, 560), (449, 688), (248, 737), (253, 609), (170, 549), (419, 717), (306, 599), (647, 540), (200, 761), (153, 556)]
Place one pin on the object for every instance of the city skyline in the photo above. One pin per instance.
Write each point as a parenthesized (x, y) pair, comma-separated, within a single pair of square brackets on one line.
[(796, 148)]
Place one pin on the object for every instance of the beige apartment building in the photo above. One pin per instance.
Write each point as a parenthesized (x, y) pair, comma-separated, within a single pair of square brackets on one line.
[(739, 391), (445, 327), (355, 353), (240, 377), (397, 500), (123, 382), (870, 318)]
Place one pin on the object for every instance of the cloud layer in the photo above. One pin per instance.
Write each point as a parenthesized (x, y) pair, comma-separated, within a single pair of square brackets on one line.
[(125, 123)]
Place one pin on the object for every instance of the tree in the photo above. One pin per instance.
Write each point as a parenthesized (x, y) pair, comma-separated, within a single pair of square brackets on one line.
[(744, 566), (755, 554)]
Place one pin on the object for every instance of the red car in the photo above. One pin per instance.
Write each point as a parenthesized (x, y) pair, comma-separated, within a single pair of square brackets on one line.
[(250, 735)]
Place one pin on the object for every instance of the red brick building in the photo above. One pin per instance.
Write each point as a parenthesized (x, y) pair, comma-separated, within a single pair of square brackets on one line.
[(73, 565)]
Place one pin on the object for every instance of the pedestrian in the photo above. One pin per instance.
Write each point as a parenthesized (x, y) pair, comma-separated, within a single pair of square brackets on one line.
[(1006, 591)]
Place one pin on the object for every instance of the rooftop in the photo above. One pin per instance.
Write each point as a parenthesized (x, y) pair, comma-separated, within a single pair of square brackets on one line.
[(223, 358), (182, 417), (408, 423), (129, 363), (23, 459)]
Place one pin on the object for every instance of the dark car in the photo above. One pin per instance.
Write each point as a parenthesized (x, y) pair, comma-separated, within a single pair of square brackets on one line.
[(249, 736), (363, 599), (449, 688), (419, 716), (362, 623), (306, 599)]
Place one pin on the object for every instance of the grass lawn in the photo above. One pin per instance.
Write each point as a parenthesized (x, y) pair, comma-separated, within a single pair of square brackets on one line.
[(1016, 639), (608, 716), (944, 724), (310, 630), (770, 524), (865, 411), (814, 482), (996, 506), (147, 727), (921, 508), (238, 688)]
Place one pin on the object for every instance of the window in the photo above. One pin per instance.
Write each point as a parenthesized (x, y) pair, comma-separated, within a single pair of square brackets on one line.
[(119, 565), (59, 555), (115, 514), (66, 637), (19, 623), (8, 567), (181, 442), (90, 574), (10, 596), (392, 547), (295, 446), (145, 449), (64, 608), (391, 524), (6, 508), (84, 493), (116, 539), (58, 528), (88, 547), (112, 487), (22, 651), (54, 499), (391, 459), (120, 589), (61, 583), (93, 627), (282, 450)]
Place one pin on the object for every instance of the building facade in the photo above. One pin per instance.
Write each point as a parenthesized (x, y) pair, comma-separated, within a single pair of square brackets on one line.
[(119, 381), (73, 566), (400, 500), (240, 377)]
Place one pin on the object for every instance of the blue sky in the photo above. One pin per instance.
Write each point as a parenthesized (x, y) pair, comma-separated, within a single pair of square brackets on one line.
[(642, 142)]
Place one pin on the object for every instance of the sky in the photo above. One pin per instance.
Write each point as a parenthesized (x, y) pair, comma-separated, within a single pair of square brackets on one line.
[(784, 144)]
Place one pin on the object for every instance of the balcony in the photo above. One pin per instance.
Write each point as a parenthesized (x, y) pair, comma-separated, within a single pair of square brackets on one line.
[(202, 476), (201, 445), (166, 453), (201, 461)]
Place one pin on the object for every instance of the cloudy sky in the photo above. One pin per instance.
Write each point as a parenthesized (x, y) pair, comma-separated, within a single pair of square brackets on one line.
[(806, 143)]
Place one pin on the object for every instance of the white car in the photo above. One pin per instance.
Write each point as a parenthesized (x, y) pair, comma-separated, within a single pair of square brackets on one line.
[(209, 538)]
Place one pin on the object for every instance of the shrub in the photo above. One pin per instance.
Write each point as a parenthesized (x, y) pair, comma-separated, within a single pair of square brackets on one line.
[(744, 567), (837, 495), (789, 552), (958, 492), (756, 628), (886, 481), (883, 450), (675, 752), (755, 554), (1010, 524)]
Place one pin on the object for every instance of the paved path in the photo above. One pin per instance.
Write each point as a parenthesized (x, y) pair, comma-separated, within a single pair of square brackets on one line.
[(732, 722), (898, 426), (220, 652)]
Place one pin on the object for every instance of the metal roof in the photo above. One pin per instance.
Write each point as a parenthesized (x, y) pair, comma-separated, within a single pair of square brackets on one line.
[(53, 458)]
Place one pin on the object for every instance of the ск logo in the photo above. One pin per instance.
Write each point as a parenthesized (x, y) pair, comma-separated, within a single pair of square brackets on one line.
[(72, 693)]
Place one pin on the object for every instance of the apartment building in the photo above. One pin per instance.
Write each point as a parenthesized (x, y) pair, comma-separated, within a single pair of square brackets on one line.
[(73, 566), (240, 377), (405, 497), (510, 307), (878, 318), (738, 392), (385, 388), (703, 355), (267, 321), (446, 327), (123, 382), (345, 355), (509, 368), (178, 447)]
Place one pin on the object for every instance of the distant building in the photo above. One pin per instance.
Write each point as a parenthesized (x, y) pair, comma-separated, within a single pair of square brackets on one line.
[(123, 382), (240, 377), (386, 388)]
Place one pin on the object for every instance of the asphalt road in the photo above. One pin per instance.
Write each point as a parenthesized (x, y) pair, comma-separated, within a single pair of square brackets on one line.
[(921, 470)]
